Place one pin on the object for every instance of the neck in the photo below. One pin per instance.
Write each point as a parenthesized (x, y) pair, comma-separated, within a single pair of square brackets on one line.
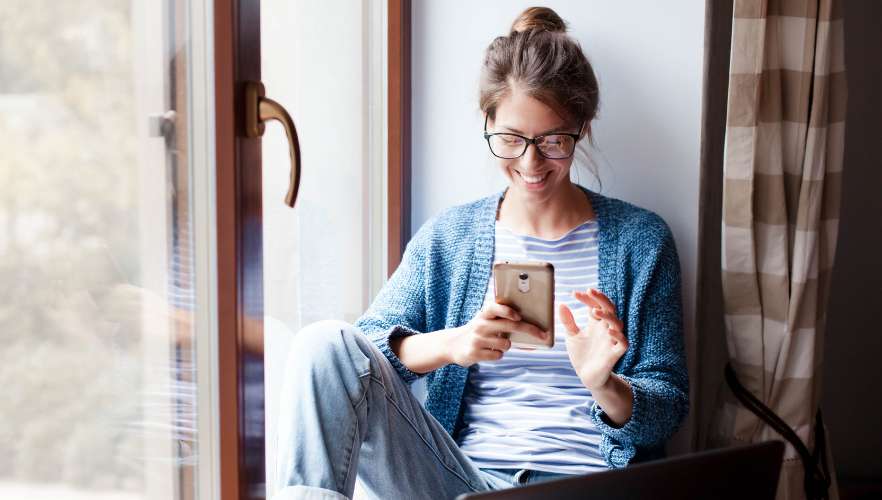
[(548, 218)]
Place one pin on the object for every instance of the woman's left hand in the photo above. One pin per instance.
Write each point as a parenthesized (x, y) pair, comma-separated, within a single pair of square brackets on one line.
[(596, 348)]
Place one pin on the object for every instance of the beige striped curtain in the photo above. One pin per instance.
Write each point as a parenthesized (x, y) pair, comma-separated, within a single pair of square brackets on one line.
[(782, 176)]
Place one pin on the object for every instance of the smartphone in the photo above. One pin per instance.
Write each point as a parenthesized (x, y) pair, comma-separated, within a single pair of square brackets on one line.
[(528, 288)]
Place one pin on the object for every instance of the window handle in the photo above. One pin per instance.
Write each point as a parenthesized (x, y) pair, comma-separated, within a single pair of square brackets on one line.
[(258, 110), (162, 125)]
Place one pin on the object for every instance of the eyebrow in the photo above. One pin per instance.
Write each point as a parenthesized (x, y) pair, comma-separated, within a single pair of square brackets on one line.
[(559, 128)]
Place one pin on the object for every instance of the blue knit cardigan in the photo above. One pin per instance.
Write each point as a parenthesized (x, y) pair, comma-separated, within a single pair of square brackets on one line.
[(445, 271)]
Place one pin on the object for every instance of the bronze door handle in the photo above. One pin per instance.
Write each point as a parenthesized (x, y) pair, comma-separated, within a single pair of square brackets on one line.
[(259, 109)]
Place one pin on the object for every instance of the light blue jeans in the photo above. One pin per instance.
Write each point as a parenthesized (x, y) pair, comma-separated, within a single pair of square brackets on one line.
[(345, 411)]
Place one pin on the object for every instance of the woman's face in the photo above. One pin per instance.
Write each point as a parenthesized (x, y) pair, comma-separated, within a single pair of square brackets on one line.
[(532, 176)]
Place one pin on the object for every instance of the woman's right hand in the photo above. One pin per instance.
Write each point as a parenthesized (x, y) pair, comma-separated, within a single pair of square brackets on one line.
[(481, 339)]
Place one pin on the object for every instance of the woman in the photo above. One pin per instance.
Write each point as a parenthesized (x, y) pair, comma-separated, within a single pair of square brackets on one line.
[(612, 390)]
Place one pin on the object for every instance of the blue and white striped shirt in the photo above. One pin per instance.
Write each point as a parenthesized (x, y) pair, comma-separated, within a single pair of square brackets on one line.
[(443, 277), (529, 410)]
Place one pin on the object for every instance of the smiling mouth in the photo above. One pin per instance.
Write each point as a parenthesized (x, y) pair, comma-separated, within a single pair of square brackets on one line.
[(537, 179)]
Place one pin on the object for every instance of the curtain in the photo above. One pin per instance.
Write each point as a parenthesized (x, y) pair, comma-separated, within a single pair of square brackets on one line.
[(785, 131)]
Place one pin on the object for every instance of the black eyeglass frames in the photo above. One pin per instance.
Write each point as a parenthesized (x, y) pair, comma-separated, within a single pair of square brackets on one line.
[(556, 146)]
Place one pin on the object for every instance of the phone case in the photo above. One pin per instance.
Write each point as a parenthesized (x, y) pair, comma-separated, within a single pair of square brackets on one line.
[(527, 287)]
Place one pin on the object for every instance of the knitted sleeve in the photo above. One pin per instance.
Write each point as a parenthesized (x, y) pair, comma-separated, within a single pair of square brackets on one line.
[(399, 309), (656, 362)]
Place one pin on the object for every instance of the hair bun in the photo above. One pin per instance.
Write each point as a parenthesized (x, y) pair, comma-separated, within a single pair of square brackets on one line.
[(539, 19)]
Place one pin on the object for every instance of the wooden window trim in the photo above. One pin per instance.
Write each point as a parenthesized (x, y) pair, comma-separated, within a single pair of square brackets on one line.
[(240, 286), (238, 199), (227, 296), (399, 167)]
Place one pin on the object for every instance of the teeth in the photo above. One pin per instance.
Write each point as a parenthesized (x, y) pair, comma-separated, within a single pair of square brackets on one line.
[(533, 180)]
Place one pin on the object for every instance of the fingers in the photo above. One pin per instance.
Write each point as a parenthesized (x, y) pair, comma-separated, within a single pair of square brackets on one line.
[(619, 337), (496, 343), (603, 299), (492, 310), (586, 299), (612, 321), (566, 317), (595, 298), (619, 343), (491, 327), (489, 355), (596, 312), (492, 348), (605, 309)]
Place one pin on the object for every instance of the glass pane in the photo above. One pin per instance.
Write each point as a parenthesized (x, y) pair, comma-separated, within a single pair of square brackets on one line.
[(322, 260), (96, 251)]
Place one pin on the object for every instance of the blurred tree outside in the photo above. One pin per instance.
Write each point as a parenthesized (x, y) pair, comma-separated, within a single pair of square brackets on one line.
[(71, 366)]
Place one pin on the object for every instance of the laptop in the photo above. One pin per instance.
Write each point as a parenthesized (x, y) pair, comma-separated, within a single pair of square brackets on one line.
[(740, 472)]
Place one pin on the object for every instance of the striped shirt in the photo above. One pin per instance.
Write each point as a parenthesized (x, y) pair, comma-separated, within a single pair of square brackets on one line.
[(529, 410)]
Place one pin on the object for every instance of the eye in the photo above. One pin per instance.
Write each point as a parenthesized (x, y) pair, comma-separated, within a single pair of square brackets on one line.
[(553, 140)]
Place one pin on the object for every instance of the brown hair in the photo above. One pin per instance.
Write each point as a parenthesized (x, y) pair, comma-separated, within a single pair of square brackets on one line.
[(539, 58)]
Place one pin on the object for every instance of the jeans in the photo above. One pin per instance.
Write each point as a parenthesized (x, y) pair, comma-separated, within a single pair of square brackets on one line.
[(345, 412)]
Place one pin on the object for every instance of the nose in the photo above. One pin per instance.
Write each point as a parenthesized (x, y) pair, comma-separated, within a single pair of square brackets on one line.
[(531, 157)]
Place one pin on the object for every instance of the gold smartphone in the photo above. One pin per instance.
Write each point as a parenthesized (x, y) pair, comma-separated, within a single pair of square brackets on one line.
[(527, 287)]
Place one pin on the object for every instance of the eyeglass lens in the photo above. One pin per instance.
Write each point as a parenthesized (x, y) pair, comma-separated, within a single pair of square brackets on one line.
[(553, 146)]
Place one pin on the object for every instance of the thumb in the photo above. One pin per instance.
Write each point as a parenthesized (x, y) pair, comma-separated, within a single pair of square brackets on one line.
[(566, 317)]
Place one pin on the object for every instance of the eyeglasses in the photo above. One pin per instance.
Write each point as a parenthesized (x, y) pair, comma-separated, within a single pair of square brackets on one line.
[(509, 146)]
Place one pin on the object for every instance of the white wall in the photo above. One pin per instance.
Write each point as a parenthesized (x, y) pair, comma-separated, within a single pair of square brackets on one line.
[(322, 260), (648, 58)]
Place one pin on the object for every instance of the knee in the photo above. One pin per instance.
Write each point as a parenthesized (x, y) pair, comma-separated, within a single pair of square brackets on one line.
[(322, 330), (328, 344)]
